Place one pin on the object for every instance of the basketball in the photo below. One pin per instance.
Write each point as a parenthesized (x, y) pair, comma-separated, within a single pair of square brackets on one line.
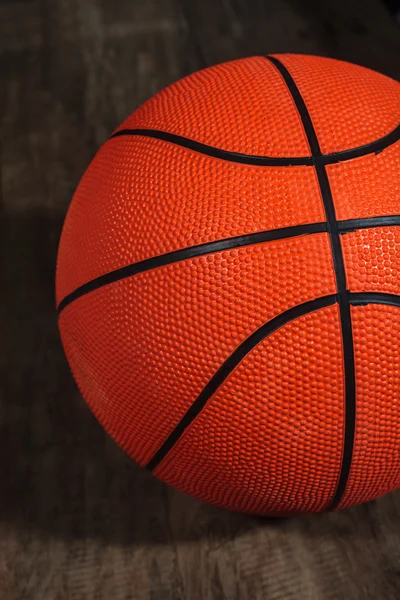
[(228, 285)]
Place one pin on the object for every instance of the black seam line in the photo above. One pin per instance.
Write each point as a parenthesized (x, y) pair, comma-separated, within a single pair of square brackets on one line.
[(345, 226), (237, 157), (343, 296), (353, 224), (372, 148), (364, 298), (191, 252), (230, 364), (358, 299), (251, 159)]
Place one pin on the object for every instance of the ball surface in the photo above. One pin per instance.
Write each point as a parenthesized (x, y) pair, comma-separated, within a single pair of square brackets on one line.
[(228, 285)]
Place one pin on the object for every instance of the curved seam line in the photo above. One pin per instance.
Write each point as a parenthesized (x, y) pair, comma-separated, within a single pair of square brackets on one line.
[(345, 226), (257, 160), (191, 252), (229, 155), (234, 359), (351, 225), (244, 349), (364, 298), (340, 273)]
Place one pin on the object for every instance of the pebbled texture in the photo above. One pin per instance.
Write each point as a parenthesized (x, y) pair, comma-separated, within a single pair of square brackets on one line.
[(270, 440), (144, 197), (372, 260), (368, 186), (142, 349), (376, 461), (349, 105), (241, 106)]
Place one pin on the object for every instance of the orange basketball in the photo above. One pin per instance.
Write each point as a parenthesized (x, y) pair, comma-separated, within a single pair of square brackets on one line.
[(228, 285)]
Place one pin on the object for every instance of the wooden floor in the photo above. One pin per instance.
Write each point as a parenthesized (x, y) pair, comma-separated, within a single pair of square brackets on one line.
[(78, 520)]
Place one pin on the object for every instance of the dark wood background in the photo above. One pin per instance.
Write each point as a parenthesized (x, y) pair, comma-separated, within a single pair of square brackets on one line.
[(78, 520)]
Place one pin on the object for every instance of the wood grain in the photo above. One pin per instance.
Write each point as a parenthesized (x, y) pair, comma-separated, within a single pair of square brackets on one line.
[(78, 520)]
